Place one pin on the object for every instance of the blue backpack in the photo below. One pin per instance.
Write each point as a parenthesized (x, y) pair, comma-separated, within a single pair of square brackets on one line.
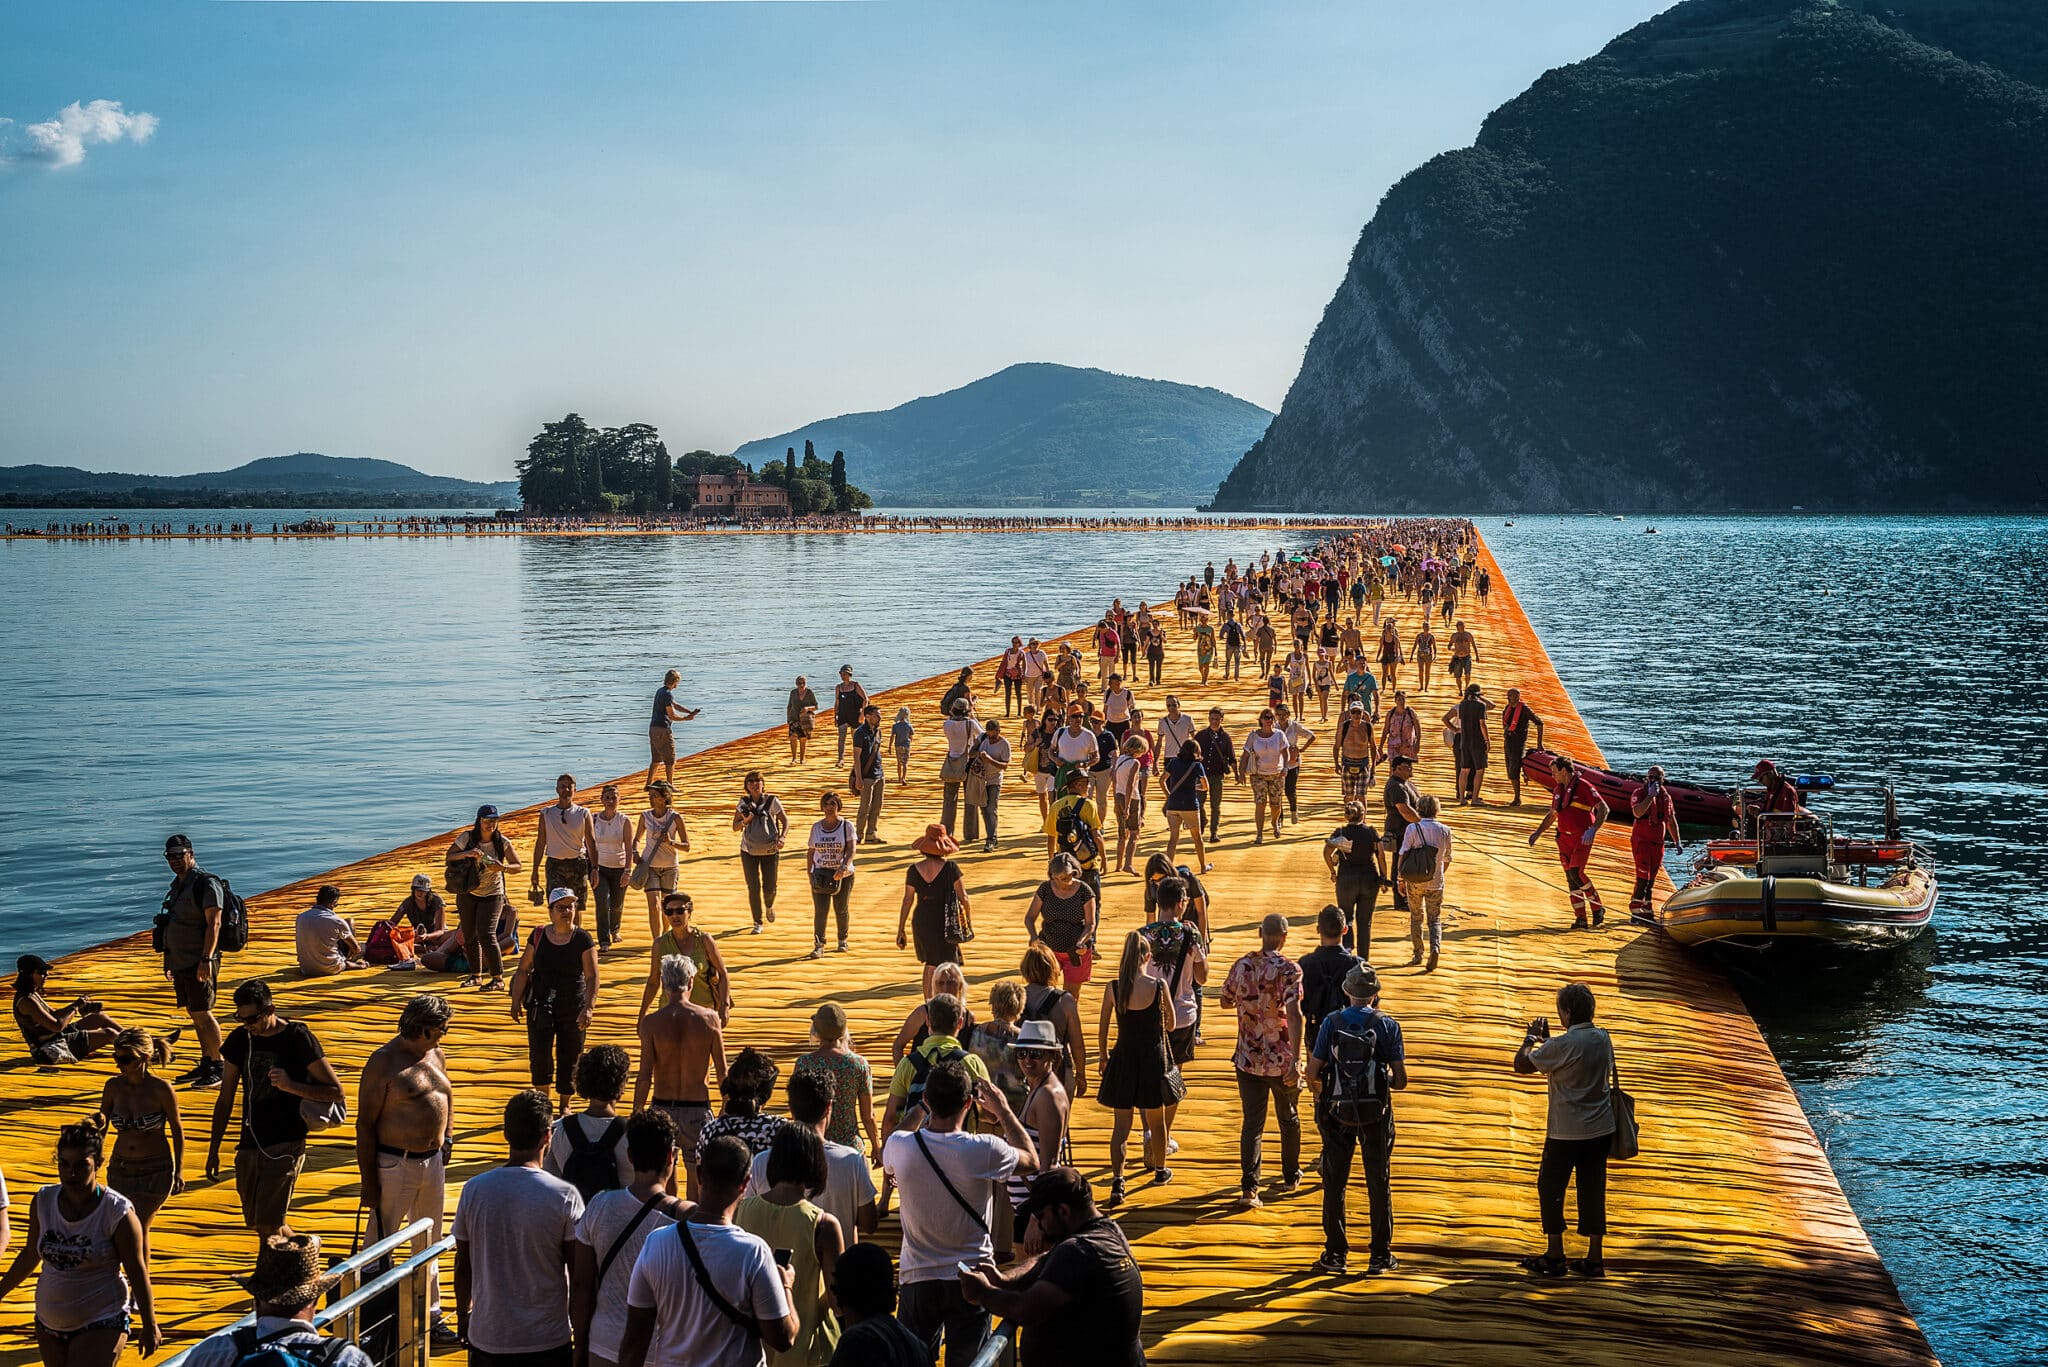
[(287, 1348)]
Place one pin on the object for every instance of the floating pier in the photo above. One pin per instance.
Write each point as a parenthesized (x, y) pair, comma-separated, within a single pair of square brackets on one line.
[(1730, 1240)]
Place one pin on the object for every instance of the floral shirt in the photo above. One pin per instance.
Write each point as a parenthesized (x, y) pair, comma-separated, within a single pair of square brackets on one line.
[(1262, 985)]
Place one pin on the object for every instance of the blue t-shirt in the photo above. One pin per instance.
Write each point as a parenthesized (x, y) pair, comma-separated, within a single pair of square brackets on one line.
[(900, 733), (664, 699), (1356, 1020), (1360, 684), (1183, 784)]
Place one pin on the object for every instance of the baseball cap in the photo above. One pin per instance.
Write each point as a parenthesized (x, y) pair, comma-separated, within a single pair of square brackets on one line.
[(177, 842), (486, 810), (33, 963), (422, 883), (1056, 1187), (560, 895)]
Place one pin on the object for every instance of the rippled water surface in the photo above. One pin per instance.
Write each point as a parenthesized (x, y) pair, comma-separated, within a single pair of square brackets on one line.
[(1869, 648), (296, 705)]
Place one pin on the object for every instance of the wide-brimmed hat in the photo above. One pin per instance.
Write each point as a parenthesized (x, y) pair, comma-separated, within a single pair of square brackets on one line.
[(1362, 983), (1037, 1035), (288, 1272), (935, 842)]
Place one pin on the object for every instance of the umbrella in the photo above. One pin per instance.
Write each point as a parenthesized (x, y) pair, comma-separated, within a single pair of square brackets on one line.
[(1432, 563), (1196, 612), (1400, 549), (1386, 560)]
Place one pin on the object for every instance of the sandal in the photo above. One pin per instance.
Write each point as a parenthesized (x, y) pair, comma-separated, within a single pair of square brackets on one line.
[(494, 985), (1543, 1265), (1589, 1267)]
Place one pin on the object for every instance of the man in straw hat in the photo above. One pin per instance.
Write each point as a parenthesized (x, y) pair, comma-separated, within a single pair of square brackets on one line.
[(1038, 1052), (287, 1283)]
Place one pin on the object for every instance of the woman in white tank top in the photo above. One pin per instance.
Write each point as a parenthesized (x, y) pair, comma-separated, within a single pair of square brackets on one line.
[(612, 831)]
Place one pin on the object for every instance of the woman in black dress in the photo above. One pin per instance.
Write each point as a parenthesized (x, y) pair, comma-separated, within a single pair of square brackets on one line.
[(1139, 1074), (556, 989), (929, 886)]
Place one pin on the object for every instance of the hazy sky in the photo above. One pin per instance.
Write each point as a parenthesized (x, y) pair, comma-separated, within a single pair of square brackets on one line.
[(416, 231)]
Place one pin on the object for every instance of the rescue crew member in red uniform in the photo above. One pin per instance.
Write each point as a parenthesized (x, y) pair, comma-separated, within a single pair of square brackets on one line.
[(1781, 794), (1656, 819), (1579, 812)]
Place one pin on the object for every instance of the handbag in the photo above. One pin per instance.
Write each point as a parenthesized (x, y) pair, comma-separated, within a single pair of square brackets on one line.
[(954, 769), (958, 925), (974, 784), (1627, 1141)]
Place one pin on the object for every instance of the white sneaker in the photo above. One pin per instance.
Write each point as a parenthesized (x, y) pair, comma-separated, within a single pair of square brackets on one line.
[(1172, 1145), (757, 927)]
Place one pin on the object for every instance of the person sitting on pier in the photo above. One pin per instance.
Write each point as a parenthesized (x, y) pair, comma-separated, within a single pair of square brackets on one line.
[(326, 942), (78, 1031)]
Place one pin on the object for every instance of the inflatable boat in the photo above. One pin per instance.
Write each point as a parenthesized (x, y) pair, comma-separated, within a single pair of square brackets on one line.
[(1795, 880), (1698, 806)]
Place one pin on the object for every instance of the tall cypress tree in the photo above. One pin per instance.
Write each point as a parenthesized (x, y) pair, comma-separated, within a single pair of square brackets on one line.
[(839, 501)]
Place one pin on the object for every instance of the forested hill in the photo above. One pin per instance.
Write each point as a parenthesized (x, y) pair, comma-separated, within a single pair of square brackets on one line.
[(331, 481), (1039, 434), (1756, 253)]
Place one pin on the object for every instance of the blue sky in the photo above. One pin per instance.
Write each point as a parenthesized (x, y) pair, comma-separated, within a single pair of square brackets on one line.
[(416, 231)]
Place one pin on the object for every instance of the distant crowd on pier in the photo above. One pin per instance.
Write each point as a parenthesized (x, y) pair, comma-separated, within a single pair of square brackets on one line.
[(721, 1217)]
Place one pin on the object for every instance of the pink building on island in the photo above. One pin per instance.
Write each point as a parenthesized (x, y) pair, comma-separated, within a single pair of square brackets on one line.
[(739, 496)]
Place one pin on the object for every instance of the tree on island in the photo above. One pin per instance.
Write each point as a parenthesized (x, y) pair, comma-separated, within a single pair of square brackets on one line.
[(572, 467)]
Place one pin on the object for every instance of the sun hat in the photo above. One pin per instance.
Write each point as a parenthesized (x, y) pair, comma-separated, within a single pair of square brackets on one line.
[(560, 895), (1362, 983), (1037, 1035), (287, 1273), (935, 842), (661, 785)]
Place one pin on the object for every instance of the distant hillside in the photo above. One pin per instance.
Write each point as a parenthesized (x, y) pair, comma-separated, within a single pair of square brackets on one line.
[(1039, 434), (306, 477), (1755, 253)]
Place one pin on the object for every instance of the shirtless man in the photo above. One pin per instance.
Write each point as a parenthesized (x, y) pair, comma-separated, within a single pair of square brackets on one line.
[(1354, 751), (679, 1045), (405, 1130), (1464, 650)]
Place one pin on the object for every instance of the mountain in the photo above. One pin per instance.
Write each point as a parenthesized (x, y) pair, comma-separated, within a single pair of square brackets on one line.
[(1043, 434), (326, 481), (1756, 253)]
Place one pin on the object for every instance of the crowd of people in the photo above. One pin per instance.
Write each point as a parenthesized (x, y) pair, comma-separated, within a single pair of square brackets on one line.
[(723, 1214)]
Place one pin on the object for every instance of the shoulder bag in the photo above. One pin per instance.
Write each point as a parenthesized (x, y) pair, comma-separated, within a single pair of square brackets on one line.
[(724, 1306), (973, 783), (947, 1183), (668, 1205), (1626, 1142)]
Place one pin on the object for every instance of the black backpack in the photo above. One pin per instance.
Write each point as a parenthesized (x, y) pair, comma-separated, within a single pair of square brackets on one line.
[(1356, 1097), (592, 1165), (234, 917), (1074, 834), (921, 1065), (251, 1351)]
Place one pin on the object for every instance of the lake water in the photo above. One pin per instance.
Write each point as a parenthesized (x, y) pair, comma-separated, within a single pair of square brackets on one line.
[(294, 705)]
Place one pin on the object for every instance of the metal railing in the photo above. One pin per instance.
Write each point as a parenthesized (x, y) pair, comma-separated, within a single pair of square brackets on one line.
[(997, 1348), (402, 1325)]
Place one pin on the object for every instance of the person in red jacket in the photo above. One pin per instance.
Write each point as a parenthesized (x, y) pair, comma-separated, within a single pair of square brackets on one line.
[(1656, 818), (1578, 811)]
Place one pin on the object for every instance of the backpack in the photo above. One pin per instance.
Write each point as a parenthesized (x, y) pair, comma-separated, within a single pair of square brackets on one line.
[(1074, 835), (592, 1165), (251, 1351), (1356, 1096), (389, 943), (921, 1065)]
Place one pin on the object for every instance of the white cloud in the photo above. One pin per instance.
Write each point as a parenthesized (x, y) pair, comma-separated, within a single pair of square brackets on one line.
[(62, 140)]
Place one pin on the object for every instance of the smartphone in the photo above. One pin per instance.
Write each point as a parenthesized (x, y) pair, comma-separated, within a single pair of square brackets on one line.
[(963, 1267), (782, 1256)]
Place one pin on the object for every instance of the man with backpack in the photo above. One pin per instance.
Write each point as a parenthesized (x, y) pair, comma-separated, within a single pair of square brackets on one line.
[(289, 1282), (193, 921), (1073, 826), (1355, 1066), (943, 1015)]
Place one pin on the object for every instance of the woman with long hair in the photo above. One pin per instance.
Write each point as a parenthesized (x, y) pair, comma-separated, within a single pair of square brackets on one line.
[(1390, 653), (148, 1162), (1139, 1073), (89, 1243), (477, 864), (54, 1036)]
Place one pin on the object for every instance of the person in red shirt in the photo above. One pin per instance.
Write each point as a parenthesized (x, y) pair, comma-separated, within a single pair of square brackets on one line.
[(1578, 811), (1781, 794), (1656, 817)]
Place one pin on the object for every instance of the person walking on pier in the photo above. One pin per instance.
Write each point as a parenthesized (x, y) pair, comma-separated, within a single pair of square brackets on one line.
[(1139, 1074), (611, 834), (935, 906), (555, 988), (849, 700), (515, 1234), (191, 949), (680, 1046), (763, 826), (563, 845), (1470, 712), (288, 1283), (1265, 988), (1354, 749), (828, 862), (1655, 820), (1421, 859), (901, 733), (1323, 970), (1219, 761), (799, 715), (867, 774), (405, 1134), (1401, 732), (1356, 1065), (283, 1065), (1358, 868), (1578, 811), (1579, 1132), (148, 1162), (1010, 673), (658, 836), (962, 741), (477, 862), (1265, 761), (661, 732)]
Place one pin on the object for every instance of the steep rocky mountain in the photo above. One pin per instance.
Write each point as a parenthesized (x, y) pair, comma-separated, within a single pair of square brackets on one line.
[(1043, 434), (1755, 254)]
